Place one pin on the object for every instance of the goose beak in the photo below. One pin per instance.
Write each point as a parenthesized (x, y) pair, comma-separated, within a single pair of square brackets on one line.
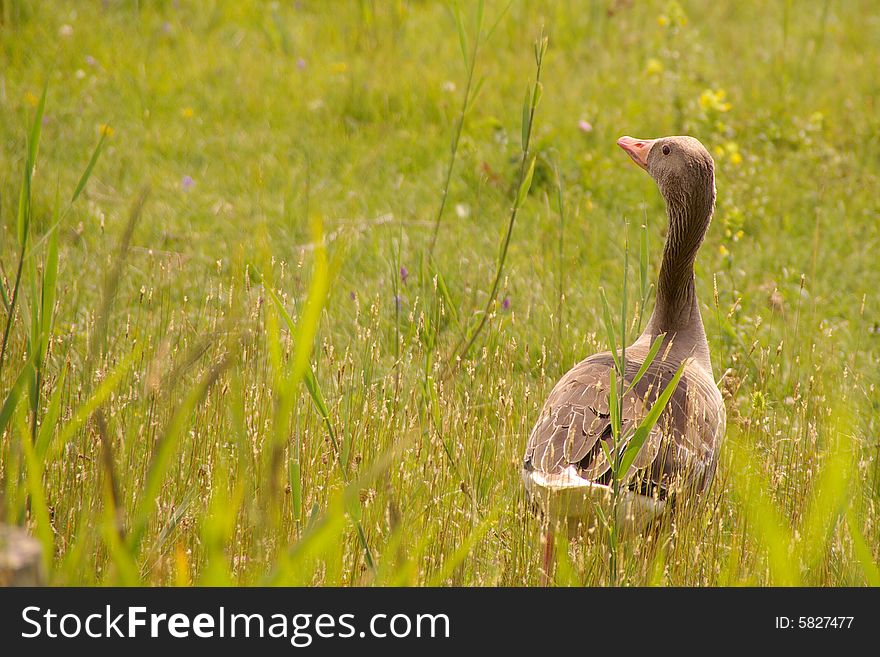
[(637, 149)]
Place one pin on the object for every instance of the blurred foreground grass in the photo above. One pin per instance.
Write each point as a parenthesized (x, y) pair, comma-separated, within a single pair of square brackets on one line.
[(165, 418)]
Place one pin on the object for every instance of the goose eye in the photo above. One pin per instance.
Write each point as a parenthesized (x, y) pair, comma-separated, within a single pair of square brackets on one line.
[(666, 150)]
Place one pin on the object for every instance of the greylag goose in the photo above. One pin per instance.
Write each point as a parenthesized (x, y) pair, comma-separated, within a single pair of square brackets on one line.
[(565, 470)]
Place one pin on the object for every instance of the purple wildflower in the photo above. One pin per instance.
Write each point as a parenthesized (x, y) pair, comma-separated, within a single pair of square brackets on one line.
[(91, 61), (505, 305), (352, 295), (404, 274), (301, 64), (585, 126), (187, 182)]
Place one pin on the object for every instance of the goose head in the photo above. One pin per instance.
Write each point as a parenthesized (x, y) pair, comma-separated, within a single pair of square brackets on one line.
[(685, 174), (682, 168)]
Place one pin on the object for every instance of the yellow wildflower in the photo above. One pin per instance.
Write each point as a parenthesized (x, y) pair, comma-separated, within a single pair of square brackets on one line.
[(30, 99), (736, 158), (653, 67), (722, 250), (706, 99), (187, 112), (714, 100), (676, 14), (340, 67), (663, 20), (105, 130)]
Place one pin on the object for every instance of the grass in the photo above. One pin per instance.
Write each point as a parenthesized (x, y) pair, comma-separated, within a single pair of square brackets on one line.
[(230, 380)]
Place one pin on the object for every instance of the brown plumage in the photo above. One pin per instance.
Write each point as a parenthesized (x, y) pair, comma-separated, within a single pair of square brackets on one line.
[(565, 469)]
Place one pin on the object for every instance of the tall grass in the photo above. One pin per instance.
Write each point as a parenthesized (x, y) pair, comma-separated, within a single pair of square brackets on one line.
[(213, 386)]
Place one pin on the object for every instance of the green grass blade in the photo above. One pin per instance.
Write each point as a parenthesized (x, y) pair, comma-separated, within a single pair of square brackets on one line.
[(610, 330), (644, 285), (165, 449), (294, 478), (38, 507), (4, 298), (454, 561), (614, 405), (50, 419), (449, 305), (862, 551), (298, 565), (307, 328), (465, 344), (472, 98), (84, 178), (317, 397), (311, 382), (98, 397), (647, 424), (50, 276), (525, 127), (11, 401), (652, 354), (608, 455), (526, 183), (121, 556), (750, 488), (317, 296), (828, 502), (23, 222), (22, 226), (462, 36)]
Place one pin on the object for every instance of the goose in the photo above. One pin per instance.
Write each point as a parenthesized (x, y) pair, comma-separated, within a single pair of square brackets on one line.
[(566, 471)]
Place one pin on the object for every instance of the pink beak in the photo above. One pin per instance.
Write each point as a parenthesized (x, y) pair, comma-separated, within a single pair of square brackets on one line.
[(637, 149)]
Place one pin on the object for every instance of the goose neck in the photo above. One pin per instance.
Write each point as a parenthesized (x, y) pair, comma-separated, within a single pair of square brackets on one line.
[(676, 311)]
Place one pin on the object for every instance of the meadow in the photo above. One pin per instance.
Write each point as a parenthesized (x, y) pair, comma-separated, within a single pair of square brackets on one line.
[(284, 285)]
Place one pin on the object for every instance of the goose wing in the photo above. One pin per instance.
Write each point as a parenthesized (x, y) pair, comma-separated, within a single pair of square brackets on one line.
[(576, 417)]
